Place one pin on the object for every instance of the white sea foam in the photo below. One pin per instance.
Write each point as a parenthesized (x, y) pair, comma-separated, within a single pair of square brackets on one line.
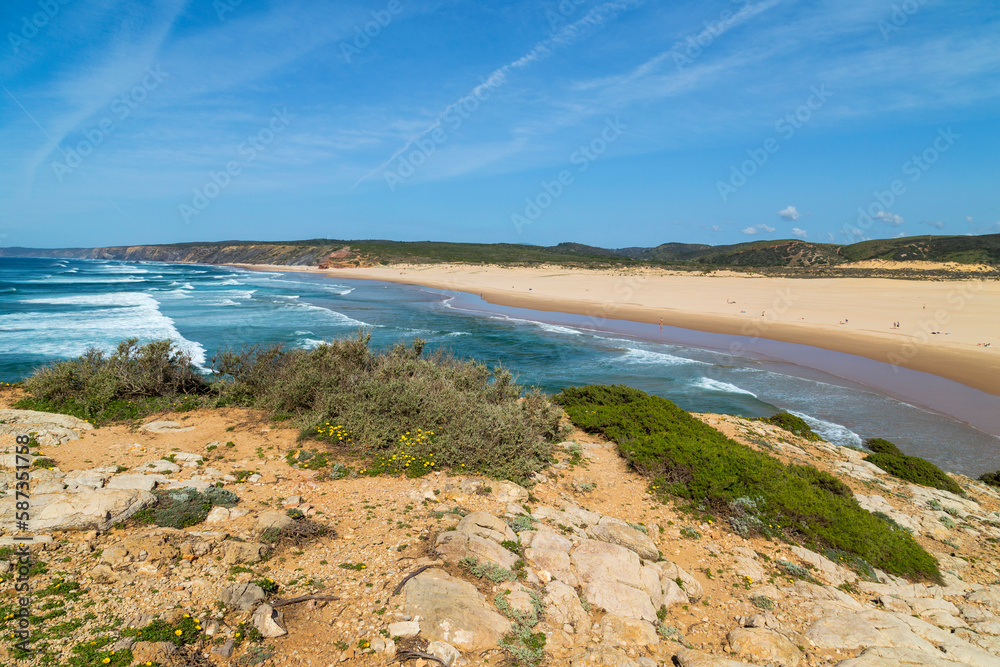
[(231, 282), (123, 268), (544, 326), (337, 317), (83, 279), (831, 432), (458, 333), (717, 385), (640, 356), (113, 317)]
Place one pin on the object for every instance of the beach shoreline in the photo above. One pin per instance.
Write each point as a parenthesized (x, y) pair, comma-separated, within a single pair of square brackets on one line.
[(850, 315)]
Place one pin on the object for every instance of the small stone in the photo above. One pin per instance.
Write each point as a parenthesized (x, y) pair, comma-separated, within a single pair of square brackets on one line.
[(224, 650), (269, 621), (242, 597), (444, 651), (404, 629)]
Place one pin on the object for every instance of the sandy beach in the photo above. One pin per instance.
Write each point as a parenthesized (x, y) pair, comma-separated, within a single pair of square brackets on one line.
[(943, 325)]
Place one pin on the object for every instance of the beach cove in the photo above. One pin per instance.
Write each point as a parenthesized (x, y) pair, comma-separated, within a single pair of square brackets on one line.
[(943, 324)]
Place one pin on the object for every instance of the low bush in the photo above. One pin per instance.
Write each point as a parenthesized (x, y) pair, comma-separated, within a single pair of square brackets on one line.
[(889, 458), (792, 424), (133, 381), (343, 393), (687, 458), (991, 478), (184, 507), (352, 397)]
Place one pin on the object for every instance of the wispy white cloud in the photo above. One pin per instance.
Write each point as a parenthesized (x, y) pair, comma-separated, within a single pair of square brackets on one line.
[(933, 223), (800, 233), (562, 38)]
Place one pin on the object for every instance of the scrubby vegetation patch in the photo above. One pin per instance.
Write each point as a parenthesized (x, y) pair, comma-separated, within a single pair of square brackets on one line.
[(889, 458), (687, 458), (792, 424)]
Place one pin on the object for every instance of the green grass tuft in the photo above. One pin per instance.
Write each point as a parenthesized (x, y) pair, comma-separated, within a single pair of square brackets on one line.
[(687, 458)]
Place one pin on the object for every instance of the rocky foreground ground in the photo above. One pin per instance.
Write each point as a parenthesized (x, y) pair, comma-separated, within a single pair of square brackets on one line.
[(583, 568)]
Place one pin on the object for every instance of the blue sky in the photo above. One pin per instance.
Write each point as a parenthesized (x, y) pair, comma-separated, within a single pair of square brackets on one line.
[(614, 123)]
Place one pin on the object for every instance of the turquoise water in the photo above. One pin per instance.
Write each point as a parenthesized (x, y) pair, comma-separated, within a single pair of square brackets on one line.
[(54, 309)]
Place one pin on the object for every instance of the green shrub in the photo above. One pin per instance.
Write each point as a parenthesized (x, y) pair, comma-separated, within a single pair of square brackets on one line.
[(792, 424), (131, 382), (491, 571), (348, 395), (991, 478), (184, 507), (889, 458), (689, 459)]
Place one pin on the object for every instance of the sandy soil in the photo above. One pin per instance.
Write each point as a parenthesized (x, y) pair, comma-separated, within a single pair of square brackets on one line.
[(944, 325)]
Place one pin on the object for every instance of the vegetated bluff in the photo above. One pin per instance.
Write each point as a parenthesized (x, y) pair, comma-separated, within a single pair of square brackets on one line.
[(780, 253)]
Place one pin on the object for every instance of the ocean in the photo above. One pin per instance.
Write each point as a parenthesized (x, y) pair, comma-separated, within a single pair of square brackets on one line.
[(55, 309)]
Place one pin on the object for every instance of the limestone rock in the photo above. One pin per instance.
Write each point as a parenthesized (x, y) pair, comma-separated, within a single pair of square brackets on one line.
[(879, 656), (164, 426), (517, 597), (404, 629), (550, 565), (103, 574), (604, 656), (586, 517), (690, 658), (158, 467), (235, 553), (763, 645), (598, 561), (628, 537), (845, 631), (508, 492), (218, 515), (273, 520), (452, 546), (242, 597), (987, 596), (622, 631), (87, 510), (672, 572), (563, 606), (486, 526), (444, 651), (548, 540), (269, 621), (616, 598), (827, 569), (49, 486), (143, 482), (453, 611)]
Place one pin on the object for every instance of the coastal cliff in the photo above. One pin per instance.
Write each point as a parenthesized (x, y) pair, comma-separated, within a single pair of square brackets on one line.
[(194, 253)]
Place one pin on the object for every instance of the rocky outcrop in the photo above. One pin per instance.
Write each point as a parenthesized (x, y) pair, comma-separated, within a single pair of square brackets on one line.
[(452, 610)]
